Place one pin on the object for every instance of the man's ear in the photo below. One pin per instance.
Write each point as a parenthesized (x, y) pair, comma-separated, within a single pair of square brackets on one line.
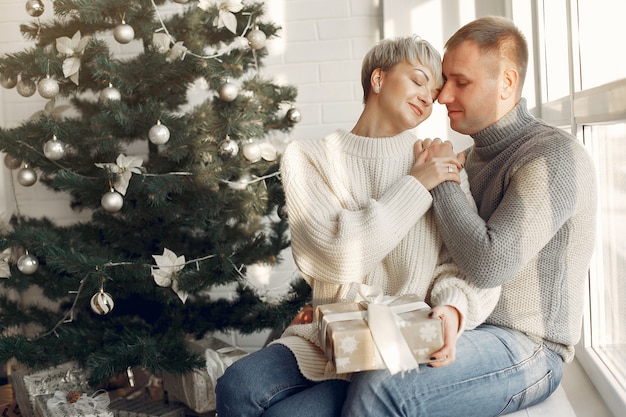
[(509, 83)]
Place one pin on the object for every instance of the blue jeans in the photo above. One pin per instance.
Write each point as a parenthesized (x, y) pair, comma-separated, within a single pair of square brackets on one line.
[(497, 371), (269, 383)]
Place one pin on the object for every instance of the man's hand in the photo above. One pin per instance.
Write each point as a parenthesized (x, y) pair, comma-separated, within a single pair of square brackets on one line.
[(451, 319)]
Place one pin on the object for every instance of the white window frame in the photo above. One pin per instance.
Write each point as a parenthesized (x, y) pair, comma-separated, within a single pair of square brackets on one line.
[(603, 104)]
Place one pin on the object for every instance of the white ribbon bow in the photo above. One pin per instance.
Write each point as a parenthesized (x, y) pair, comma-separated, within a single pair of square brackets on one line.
[(382, 319), (382, 322), (99, 401)]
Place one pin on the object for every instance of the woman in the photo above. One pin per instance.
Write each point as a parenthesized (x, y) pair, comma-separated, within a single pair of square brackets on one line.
[(359, 213)]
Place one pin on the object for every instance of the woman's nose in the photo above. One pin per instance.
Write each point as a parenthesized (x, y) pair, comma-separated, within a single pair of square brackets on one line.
[(425, 97)]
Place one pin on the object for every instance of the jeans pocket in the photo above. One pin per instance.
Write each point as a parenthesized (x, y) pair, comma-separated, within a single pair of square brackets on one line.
[(532, 395)]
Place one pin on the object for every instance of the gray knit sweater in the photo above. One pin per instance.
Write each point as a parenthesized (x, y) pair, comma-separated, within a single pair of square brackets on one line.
[(357, 217), (535, 189)]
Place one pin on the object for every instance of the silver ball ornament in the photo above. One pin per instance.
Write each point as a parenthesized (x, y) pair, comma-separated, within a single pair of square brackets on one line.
[(12, 162), (252, 151), (124, 33), (229, 91), (228, 148), (159, 134), (27, 264), (26, 176), (293, 115), (26, 88), (34, 8), (112, 201), (102, 302), (48, 87), (256, 39), (110, 93), (7, 81), (54, 149), (268, 151)]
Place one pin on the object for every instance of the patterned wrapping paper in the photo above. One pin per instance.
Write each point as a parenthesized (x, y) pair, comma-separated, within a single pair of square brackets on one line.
[(64, 409), (197, 389), (347, 338), (138, 407), (67, 376)]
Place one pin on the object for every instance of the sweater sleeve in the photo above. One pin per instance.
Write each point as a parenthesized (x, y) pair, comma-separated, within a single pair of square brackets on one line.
[(450, 288), (336, 238), (537, 196)]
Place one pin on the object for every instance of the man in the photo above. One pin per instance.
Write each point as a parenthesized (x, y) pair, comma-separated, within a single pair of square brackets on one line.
[(534, 233)]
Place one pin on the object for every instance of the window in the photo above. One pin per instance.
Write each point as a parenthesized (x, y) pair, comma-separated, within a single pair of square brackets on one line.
[(603, 351), (583, 85), (554, 50), (600, 62), (577, 81)]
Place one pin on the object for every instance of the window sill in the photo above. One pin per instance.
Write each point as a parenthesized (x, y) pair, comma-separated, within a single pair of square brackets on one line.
[(598, 369)]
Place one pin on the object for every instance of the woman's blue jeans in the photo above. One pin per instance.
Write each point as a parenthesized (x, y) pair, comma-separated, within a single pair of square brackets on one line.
[(497, 371)]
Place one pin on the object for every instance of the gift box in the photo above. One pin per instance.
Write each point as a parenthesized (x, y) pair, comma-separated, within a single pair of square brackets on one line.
[(61, 404), (196, 389), (27, 385), (391, 332), (137, 407)]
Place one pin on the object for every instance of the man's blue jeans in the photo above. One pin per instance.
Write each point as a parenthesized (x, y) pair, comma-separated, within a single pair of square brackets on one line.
[(497, 371)]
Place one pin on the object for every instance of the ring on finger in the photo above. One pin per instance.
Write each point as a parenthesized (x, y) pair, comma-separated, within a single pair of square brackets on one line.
[(449, 168)]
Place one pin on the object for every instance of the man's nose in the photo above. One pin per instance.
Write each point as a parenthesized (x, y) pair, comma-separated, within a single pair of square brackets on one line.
[(444, 95)]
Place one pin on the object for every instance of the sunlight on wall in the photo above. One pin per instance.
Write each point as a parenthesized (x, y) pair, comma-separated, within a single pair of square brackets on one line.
[(276, 48), (426, 21), (275, 10)]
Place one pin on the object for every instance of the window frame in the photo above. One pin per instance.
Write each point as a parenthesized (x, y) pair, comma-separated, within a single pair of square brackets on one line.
[(581, 108)]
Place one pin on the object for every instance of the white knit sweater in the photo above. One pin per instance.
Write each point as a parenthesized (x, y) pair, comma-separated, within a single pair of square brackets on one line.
[(357, 217)]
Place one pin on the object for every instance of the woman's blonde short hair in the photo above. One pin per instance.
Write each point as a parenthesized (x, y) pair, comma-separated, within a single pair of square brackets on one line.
[(391, 51)]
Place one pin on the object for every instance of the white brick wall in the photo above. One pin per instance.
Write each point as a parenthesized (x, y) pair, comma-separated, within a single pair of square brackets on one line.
[(319, 51)]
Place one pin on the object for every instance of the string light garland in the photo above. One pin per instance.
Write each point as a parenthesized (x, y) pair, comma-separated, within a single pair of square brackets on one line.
[(69, 314)]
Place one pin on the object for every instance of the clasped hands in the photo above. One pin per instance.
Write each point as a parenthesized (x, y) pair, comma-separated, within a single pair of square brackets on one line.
[(436, 162)]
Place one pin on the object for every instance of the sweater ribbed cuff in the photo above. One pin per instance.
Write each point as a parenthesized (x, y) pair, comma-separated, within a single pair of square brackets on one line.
[(457, 299), (443, 189)]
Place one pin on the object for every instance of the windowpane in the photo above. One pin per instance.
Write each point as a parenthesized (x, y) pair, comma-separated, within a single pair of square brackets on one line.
[(523, 17), (607, 144), (554, 54), (600, 25)]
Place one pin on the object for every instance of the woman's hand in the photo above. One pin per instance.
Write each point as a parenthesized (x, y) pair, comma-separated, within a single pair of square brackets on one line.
[(304, 316), (451, 318), (435, 162)]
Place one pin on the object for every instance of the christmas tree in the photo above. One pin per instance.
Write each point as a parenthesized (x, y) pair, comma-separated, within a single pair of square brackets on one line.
[(182, 198)]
